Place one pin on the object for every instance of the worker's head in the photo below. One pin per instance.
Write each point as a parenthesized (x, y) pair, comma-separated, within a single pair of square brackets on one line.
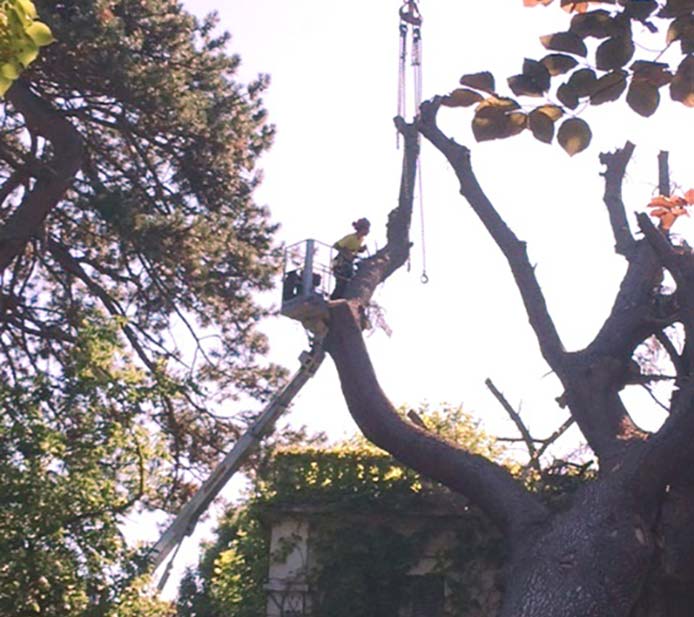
[(362, 226)]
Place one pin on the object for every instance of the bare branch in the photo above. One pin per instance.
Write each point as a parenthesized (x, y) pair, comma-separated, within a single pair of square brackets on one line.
[(663, 173), (546, 443), (487, 484), (55, 178), (513, 249), (655, 399), (669, 347), (517, 420), (616, 164), (70, 264)]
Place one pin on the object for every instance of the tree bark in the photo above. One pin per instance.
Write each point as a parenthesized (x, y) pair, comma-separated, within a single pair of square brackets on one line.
[(55, 178)]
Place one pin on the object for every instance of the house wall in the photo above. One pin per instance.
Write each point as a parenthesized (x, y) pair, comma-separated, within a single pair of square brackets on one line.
[(289, 562), (291, 559)]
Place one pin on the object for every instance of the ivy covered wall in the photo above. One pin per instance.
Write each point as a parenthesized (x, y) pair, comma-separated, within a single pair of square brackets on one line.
[(372, 524)]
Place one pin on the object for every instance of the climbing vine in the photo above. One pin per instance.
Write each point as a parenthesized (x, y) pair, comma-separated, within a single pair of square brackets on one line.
[(371, 520)]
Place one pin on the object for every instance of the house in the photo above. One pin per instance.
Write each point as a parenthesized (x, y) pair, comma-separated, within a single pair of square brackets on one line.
[(404, 548)]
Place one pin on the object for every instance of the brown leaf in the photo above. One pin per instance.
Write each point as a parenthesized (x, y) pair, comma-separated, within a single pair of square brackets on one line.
[(494, 102), (574, 135), (496, 122), (655, 73), (537, 72), (583, 81), (676, 8), (614, 53), (479, 81), (557, 64), (461, 97), (609, 87), (553, 112), (517, 121), (639, 9), (682, 29), (565, 41), (523, 85), (567, 95), (599, 24), (682, 84), (642, 97), (489, 126), (541, 126)]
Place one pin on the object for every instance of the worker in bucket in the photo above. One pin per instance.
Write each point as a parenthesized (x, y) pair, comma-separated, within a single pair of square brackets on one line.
[(347, 250)]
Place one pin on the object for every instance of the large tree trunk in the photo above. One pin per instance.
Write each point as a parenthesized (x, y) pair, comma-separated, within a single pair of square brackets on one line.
[(624, 547)]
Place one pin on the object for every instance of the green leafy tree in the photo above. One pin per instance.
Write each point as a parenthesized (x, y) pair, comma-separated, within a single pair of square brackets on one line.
[(73, 458), (130, 250)]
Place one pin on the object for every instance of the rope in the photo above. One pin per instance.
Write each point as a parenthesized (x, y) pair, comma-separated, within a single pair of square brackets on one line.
[(411, 19), (417, 69), (417, 66), (424, 278), (402, 75)]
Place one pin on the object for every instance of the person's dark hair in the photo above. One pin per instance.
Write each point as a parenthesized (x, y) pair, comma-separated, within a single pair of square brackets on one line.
[(362, 223)]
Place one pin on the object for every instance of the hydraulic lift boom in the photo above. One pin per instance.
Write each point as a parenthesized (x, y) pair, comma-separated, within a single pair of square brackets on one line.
[(186, 520)]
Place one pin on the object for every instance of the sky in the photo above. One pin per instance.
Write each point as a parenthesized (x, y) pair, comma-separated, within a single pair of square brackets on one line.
[(333, 94)]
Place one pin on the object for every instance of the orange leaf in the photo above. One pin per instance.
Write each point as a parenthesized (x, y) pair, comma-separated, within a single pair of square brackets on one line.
[(689, 196), (658, 212), (660, 201), (667, 221), (667, 202), (578, 7), (536, 2)]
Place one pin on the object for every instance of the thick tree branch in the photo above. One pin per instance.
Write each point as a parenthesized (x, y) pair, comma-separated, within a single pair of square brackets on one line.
[(513, 249), (681, 266), (55, 177), (375, 269), (633, 316), (601, 370), (616, 164), (487, 484), (667, 457)]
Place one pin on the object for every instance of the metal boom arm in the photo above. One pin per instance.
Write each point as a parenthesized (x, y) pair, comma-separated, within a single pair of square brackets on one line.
[(187, 518)]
